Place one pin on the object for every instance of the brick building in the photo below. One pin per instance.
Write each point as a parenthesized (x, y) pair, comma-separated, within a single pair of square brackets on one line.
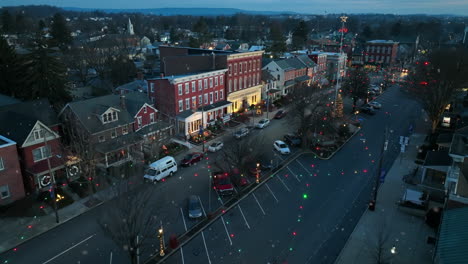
[(192, 100), (381, 52), (11, 179)]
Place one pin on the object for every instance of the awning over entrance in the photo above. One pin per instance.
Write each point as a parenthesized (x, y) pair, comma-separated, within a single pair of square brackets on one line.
[(216, 106)]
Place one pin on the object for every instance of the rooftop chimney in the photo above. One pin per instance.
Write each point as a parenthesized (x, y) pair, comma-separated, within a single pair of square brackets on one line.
[(122, 102)]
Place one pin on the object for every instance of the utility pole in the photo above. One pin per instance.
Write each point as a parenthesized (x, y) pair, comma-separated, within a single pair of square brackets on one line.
[(380, 174), (338, 75)]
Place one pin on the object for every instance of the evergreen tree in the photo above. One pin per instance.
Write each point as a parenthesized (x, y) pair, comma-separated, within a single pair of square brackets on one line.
[(7, 22), (279, 42), (41, 25), (47, 75), (10, 68), (122, 70), (300, 35), (59, 31), (396, 29)]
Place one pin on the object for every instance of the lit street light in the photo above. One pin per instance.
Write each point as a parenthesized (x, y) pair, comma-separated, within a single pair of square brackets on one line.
[(161, 241)]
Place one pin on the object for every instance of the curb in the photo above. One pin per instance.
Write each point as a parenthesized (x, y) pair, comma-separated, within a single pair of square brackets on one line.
[(55, 226)]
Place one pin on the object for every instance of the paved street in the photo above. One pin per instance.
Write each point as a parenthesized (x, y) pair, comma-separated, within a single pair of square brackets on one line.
[(287, 225), (307, 211)]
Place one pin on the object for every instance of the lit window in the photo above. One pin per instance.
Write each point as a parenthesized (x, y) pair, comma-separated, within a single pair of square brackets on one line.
[(194, 102), (199, 99)]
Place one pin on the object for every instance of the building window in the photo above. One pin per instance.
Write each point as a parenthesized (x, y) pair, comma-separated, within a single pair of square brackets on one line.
[(194, 102), (101, 138), (216, 96), (199, 99), (235, 69), (200, 85), (152, 118), (240, 83), (229, 86), (206, 99), (152, 87), (4, 191), (179, 86), (41, 153), (235, 84), (187, 88), (181, 106), (145, 110), (2, 166), (187, 103), (221, 95), (125, 130), (38, 134), (211, 97), (216, 81), (114, 133), (139, 121), (211, 82), (240, 67), (229, 71), (245, 82), (193, 87), (205, 83), (221, 80)]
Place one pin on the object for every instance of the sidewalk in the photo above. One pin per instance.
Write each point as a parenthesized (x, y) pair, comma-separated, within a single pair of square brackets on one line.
[(387, 227)]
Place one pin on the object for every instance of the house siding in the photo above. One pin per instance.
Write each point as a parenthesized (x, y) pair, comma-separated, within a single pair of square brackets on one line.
[(11, 174)]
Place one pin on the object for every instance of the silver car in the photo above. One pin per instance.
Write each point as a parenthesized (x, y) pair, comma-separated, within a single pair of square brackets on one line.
[(215, 146), (194, 207)]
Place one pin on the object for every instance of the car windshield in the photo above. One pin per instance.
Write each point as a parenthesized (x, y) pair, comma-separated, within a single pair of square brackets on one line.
[(151, 172), (214, 145), (283, 146), (223, 181), (193, 204), (188, 157)]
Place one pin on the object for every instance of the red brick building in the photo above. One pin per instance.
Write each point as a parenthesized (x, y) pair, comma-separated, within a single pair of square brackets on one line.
[(381, 52), (193, 100), (243, 78), (34, 127), (11, 179)]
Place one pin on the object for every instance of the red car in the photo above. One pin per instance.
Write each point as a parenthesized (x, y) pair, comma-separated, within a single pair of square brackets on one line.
[(280, 114), (191, 158), (222, 183)]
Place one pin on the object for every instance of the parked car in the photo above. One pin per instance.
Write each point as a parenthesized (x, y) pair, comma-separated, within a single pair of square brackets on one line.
[(280, 114), (292, 140), (367, 110), (241, 133), (160, 169), (194, 207), (222, 183), (239, 180), (375, 104), (215, 146), (281, 147), (263, 123), (191, 158)]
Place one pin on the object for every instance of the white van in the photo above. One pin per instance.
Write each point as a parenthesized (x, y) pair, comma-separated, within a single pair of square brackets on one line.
[(160, 169)]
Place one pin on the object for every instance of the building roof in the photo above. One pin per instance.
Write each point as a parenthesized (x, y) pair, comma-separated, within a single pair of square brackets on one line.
[(7, 100), (4, 142), (459, 145), (39, 109), (19, 126), (306, 60), (453, 236), (214, 105), (137, 85), (88, 111), (437, 158), (444, 138), (266, 76), (381, 41)]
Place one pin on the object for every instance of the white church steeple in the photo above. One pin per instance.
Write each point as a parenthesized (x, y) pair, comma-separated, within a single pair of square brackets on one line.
[(130, 27)]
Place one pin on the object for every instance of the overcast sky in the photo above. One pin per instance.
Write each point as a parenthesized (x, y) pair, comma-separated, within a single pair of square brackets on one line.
[(459, 7)]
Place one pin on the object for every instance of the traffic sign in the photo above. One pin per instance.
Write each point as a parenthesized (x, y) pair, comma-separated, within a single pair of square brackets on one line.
[(382, 176)]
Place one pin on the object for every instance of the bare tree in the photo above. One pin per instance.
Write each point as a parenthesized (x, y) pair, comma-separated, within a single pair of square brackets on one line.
[(436, 78), (129, 219), (356, 85), (381, 248)]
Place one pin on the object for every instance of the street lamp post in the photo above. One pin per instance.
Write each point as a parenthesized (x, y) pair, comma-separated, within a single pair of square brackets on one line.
[(161, 241), (338, 75), (379, 173), (257, 175)]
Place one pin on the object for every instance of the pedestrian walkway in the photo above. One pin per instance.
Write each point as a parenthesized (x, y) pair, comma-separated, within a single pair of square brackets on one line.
[(398, 237)]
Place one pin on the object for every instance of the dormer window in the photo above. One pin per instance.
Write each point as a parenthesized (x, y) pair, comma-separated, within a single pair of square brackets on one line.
[(109, 116), (38, 134)]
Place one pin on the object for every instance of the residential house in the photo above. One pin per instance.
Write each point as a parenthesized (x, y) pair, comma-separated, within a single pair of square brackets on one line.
[(34, 126), (311, 67), (116, 126), (139, 85), (222, 46), (452, 237), (382, 52), (289, 73), (270, 89), (243, 87), (435, 168), (11, 179), (456, 182), (192, 100)]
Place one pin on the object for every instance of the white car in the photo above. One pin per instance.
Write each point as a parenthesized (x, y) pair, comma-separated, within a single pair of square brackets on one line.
[(263, 123), (281, 147), (215, 146), (375, 104)]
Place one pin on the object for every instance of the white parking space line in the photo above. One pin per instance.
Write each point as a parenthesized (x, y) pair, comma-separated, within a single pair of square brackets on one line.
[(272, 192), (255, 197), (219, 199), (279, 178), (293, 174), (310, 174), (242, 213), (227, 232), (110, 260), (203, 208), (70, 248), (183, 219), (206, 248), (182, 255)]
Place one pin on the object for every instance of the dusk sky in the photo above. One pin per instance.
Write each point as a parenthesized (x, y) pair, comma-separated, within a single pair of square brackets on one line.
[(459, 7)]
